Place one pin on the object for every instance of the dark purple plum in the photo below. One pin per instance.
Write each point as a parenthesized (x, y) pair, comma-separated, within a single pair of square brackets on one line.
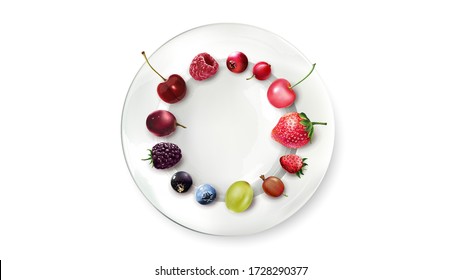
[(162, 123)]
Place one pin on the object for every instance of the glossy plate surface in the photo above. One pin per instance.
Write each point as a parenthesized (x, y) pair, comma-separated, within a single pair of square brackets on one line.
[(228, 135)]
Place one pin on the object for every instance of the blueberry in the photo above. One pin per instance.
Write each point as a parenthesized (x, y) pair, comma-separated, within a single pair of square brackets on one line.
[(181, 181), (205, 194)]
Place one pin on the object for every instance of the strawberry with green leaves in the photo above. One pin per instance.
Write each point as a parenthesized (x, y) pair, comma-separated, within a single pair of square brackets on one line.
[(293, 164), (294, 130)]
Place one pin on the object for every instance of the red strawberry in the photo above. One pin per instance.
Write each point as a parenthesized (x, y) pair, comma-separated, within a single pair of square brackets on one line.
[(293, 164), (294, 130)]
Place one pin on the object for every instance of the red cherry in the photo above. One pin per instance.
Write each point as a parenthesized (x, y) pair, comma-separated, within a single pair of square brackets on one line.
[(162, 123), (237, 62), (261, 71), (272, 186), (281, 94), (172, 89)]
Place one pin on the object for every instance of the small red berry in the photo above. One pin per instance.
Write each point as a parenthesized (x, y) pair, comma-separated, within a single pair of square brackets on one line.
[(203, 66), (237, 62), (293, 164), (261, 71)]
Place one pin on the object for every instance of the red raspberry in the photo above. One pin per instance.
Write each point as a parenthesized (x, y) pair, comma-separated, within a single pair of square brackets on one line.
[(203, 66)]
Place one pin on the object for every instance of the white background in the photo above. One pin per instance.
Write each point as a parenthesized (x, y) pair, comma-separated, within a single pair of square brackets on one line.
[(390, 204)]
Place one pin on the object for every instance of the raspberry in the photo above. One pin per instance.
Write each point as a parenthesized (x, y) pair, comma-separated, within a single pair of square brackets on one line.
[(164, 155), (203, 66)]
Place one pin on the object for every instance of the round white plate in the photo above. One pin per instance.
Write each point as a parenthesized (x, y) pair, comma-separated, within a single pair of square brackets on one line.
[(228, 135)]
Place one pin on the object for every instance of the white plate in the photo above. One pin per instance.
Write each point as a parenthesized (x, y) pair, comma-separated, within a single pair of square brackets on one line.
[(228, 136)]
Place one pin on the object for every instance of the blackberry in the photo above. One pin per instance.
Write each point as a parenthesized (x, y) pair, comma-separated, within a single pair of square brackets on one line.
[(164, 155)]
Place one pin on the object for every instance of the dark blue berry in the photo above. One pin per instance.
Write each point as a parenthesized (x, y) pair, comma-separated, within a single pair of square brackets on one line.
[(205, 194)]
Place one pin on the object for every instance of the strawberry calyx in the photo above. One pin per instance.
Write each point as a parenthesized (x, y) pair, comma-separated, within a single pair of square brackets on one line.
[(300, 172), (308, 124)]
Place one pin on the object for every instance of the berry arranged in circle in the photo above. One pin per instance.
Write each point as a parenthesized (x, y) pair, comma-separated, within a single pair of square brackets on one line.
[(181, 181), (171, 90), (272, 186), (237, 62), (293, 164), (294, 130), (164, 155), (239, 196), (205, 194), (261, 71), (281, 93), (162, 123), (203, 66)]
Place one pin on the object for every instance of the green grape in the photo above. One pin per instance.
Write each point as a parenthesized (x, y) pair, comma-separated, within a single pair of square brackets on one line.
[(239, 196)]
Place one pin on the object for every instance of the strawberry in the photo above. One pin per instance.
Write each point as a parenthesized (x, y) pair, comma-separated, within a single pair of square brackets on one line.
[(294, 130), (293, 164)]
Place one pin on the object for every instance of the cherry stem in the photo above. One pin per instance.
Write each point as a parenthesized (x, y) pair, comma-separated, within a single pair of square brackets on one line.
[(314, 65), (321, 123), (179, 124), (147, 61), (250, 77)]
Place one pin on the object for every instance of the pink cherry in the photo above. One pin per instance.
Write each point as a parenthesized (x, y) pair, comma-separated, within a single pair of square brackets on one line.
[(281, 94)]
